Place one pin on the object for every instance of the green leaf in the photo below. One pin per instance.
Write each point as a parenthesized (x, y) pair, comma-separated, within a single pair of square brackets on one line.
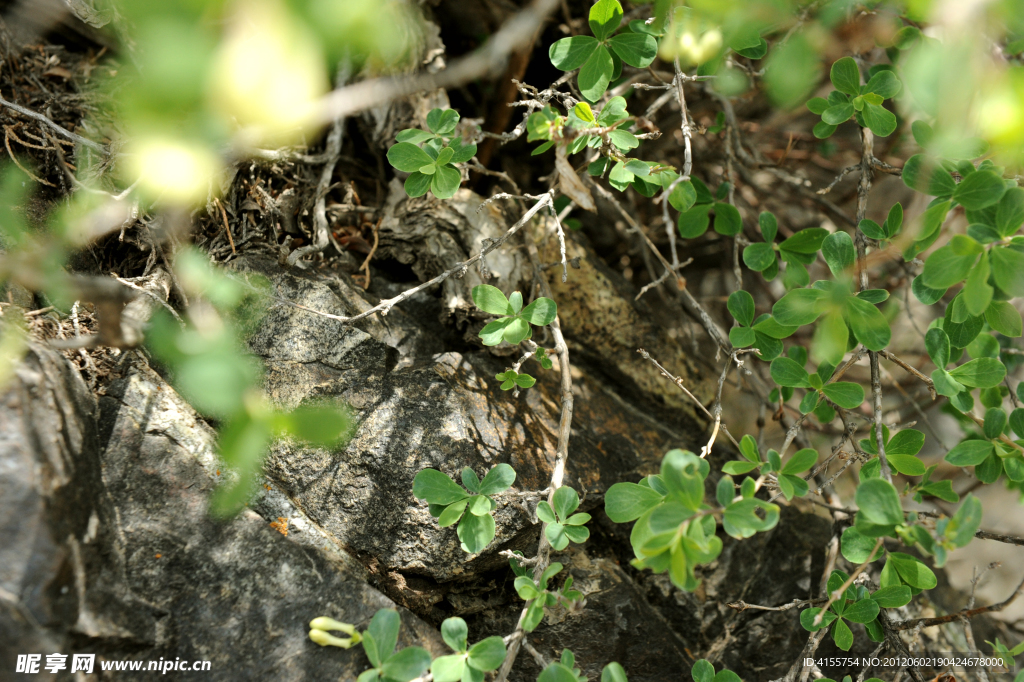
[(498, 479), (798, 307), (565, 500), (683, 196), (727, 220), (817, 105), (855, 546), (880, 120), (545, 513), (454, 632), (517, 331), (769, 226), (770, 327), (840, 113), (924, 293), (791, 71), (995, 421), (571, 53), (977, 293), (926, 175), (737, 467), (808, 240), (613, 112), (556, 672), (408, 157), (868, 325), (542, 311), (908, 465), (417, 184), (476, 532), (741, 305), (786, 372), (448, 668), (801, 461), (970, 453), (1008, 269), (893, 596), (807, 617), (906, 442), (407, 664), (980, 373), (436, 488), (487, 654), (452, 513), (1010, 213), (629, 501), (445, 182), (636, 49), (844, 394), (823, 130), (842, 635), (491, 300), (1017, 421), (965, 522), (980, 189), (952, 263), (605, 17), (879, 502), (839, 252), (759, 256), (613, 672), (624, 140), (493, 333), (742, 337), (596, 73), (442, 121), (479, 505), (383, 629), (873, 295), (845, 76), (694, 222), (702, 671), (912, 571), (444, 156), (414, 136), (863, 611), (885, 84), (872, 230), (936, 342)]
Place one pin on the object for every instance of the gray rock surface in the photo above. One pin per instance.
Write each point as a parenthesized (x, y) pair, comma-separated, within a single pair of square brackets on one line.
[(108, 548)]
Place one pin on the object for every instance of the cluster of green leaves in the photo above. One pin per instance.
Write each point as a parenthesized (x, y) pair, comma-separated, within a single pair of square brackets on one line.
[(562, 524), (537, 593), (797, 252), (789, 480), (881, 515), (449, 503), (379, 641), (845, 394), (855, 605), (607, 133), (848, 318), (514, 322), (761, 332), (1006, 653), (696, 205), (599, 58), (565, 670), (468, 663), (850, 99), (675, 529), (431, 157)]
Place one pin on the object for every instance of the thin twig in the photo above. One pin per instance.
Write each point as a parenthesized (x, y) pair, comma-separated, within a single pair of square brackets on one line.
[(490, 60), (63, 131), (966, 613)]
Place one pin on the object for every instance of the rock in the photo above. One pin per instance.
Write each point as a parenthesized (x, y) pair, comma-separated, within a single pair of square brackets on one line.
[(108, 547)]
